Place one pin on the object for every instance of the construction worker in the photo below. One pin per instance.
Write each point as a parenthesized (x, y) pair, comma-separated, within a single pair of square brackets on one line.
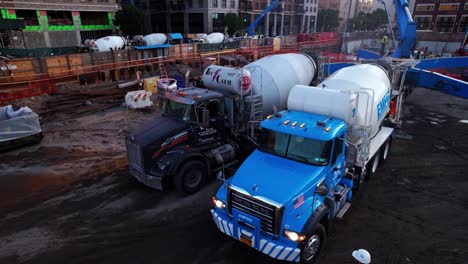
[(383, 42), (362, 256)]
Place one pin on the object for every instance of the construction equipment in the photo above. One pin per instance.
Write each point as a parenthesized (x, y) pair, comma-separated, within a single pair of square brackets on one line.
[(205, 130), (310, 160)]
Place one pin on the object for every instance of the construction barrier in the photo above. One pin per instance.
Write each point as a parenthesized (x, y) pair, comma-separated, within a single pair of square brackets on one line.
[(31, 76)]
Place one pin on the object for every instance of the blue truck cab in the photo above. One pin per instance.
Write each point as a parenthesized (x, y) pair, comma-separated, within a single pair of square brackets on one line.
[(282, 198)]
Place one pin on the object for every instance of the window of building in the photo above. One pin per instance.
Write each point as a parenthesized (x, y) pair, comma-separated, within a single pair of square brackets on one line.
[(223, 3), (444, 23), (94, 18), (263, 5), (463, 24), (423, 22), (425, 7), (449, 7), (60, 18), (256, 5), (315, 9), (29, 16), (214, 3), (233, 4), (465, 7)]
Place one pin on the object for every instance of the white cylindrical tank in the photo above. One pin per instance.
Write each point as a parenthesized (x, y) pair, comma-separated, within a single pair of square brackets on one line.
[(359, 95), (215, 38), (274, 76), (233, 80), (155, 39), (108, 43)]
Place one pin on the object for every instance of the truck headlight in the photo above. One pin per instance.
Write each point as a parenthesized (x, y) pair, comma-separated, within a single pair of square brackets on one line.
[(294, 236), (218, 203)]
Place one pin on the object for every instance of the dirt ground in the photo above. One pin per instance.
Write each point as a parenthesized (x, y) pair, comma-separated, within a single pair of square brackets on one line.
[(70, 200)]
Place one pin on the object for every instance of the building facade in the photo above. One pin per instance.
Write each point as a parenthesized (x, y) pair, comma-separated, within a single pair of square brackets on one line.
[(206, 16), (289, 17), (187, 16), (60, 23), (329, 4), (444, 16)]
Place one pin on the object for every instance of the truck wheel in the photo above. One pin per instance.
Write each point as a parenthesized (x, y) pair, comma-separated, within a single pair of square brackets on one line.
[(191, 177), (314, 243), (373, 165), (385, 151)]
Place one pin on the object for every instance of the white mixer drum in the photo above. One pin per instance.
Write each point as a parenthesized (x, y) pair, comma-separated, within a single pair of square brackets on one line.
[(155, 39), (232, 80)]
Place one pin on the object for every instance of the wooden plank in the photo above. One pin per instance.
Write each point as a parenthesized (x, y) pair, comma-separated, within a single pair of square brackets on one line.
[(75, 60), (53, 62)]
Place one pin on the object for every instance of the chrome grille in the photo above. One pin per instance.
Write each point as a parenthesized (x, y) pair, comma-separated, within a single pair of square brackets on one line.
[(134, 154), (265, 212)]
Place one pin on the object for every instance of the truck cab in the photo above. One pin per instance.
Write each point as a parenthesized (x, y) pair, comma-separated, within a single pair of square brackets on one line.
[(283, 196), (179, 147)]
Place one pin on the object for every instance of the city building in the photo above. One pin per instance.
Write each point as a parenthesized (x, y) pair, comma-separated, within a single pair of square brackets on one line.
[(58, 23), (329, 4), (206, 16), (289, 17), (187, 16), (441, 16), (364, 6)]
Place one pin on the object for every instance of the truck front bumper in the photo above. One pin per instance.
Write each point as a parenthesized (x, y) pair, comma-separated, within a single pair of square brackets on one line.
[(154, 182), (253, 237)]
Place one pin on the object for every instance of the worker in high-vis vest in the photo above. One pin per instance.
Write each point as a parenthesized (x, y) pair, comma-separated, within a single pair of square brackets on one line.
[(383, 42)]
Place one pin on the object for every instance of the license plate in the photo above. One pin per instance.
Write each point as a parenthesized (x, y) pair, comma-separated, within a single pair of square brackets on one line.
[(246, 241)]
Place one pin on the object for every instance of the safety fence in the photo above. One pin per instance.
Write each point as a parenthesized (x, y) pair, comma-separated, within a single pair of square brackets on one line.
[(30, 77)]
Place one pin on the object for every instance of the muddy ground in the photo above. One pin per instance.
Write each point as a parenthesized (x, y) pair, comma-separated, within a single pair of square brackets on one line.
[(70, 200)]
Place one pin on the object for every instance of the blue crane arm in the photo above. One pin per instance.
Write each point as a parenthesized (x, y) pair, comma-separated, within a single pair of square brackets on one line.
[(406, 28), (250, 29)]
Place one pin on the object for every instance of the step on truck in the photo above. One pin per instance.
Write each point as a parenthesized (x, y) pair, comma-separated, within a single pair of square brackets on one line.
[(310, 159), (203, 130)]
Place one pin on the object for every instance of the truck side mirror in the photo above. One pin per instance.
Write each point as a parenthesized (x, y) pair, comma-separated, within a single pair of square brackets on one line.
[(321, 190), (205, 116)]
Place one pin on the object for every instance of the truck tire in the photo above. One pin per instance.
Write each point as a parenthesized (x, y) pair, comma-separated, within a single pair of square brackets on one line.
[(385, 151), (316, 238), (373, 165), (191, 177)]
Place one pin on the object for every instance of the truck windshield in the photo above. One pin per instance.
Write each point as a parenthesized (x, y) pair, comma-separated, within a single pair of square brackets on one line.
[(305, 150), (177, 110)]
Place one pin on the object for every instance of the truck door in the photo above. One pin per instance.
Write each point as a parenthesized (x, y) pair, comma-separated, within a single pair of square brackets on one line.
[(338, 160)]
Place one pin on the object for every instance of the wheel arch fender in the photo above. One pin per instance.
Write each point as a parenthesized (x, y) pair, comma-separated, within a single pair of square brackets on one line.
[(187, 157), (320, 215)]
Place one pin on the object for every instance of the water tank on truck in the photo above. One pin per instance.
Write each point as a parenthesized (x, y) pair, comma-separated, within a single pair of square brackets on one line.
[(272, 77), (359, 95)]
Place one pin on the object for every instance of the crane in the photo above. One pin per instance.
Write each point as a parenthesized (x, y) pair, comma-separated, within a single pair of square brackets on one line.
[(419, 73), (406, 29), (251, 28)]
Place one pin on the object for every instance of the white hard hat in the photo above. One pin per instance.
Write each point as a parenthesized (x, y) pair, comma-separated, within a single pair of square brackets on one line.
[(362, 256)]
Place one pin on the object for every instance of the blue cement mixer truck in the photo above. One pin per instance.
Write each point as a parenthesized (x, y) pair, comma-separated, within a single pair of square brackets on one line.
[(310, 159)]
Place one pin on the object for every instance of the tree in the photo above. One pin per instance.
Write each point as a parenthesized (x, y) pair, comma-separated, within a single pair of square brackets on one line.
[(132, 21), (328, 20), (369, 21), (233, 23)]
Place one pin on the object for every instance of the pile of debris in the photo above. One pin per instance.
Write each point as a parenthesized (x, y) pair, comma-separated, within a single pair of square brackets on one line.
[(75, 102)]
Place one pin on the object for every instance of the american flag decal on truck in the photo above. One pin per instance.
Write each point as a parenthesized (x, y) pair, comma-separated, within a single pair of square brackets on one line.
[(298, 201)]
